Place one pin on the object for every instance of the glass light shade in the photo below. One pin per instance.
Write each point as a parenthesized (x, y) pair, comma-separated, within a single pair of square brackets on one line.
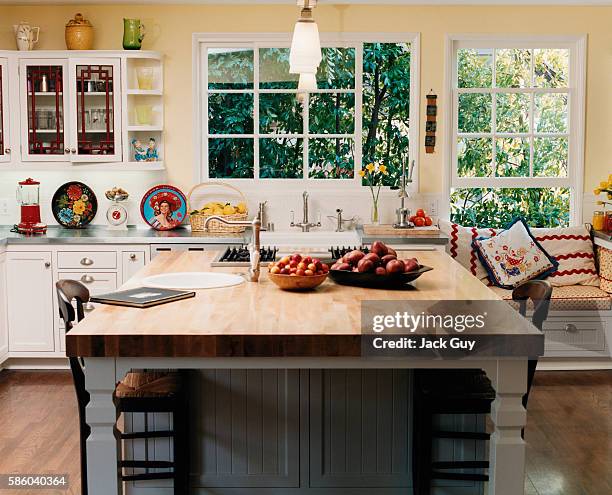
[(305, 54), (307, 82)]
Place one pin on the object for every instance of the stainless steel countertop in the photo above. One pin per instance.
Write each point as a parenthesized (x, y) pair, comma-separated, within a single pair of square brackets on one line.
[(440, 239), (99, 234), (133, 235)]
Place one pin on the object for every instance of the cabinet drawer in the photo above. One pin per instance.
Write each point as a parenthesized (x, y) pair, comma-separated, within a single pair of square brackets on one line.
[(96, 282), (567, 335), (87, 259)]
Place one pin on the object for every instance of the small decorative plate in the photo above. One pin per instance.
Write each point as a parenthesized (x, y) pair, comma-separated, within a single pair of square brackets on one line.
[(163, 207), (74, 205)]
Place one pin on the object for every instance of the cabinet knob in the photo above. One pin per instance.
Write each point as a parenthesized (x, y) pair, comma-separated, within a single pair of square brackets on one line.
[(87, 261), (133, 257), (47, 264), (66, 150), (571, 328), (73, 150), (7, 151), (87, 279), (88, 306)]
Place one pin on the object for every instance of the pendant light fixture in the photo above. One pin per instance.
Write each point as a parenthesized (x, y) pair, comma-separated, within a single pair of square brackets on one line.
[(305, 54), (307, 82)]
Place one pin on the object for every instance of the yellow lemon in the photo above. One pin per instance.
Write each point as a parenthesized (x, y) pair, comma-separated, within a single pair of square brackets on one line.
[(241, 207), (228, 210)]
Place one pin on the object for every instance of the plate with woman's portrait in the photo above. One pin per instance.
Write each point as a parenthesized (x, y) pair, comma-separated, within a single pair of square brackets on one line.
[(163, 207)]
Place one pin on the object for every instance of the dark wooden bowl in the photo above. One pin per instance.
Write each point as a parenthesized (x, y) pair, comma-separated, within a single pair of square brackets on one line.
[(371, 280)]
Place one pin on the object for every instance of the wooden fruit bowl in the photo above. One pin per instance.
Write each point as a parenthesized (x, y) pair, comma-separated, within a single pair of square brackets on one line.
[(296, 282)]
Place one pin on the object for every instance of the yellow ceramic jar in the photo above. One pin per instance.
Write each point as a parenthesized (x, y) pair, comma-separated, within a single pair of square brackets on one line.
[(79, 34)]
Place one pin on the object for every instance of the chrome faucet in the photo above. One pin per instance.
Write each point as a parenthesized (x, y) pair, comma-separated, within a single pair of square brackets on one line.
[(254, 246), (305, 225)]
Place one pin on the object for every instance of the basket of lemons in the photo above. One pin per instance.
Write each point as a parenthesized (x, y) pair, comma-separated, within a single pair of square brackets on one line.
[(229, 210)]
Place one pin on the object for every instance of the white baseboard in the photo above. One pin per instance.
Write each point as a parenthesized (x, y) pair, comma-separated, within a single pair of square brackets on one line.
[(36, 364), (578, 364)]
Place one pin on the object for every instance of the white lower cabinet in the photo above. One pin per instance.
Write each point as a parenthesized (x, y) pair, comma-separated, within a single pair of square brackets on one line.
[(3, 323), (29, 278), (35, 329)]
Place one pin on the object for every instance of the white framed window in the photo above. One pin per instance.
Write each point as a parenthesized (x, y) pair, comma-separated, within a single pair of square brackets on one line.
[(252, 125), (515, 114)]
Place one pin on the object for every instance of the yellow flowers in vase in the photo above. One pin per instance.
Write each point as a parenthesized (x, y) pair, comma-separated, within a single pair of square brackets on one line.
[(604, 187), (373, 175)]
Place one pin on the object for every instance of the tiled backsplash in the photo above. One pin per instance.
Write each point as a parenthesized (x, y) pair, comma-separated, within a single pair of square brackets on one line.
[(279, 203)]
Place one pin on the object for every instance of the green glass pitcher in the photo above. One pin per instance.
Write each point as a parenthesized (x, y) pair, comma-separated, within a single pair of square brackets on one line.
[(133, 34)]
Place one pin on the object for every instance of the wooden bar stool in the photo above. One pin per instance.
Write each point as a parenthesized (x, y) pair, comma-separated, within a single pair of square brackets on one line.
[(462, 392), (137, 392)]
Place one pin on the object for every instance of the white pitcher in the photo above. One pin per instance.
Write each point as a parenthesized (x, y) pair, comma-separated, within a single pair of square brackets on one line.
[(26, 36)]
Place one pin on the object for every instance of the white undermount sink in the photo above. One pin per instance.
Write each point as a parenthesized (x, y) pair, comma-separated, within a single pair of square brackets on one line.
[(314, 239), (192, 280)]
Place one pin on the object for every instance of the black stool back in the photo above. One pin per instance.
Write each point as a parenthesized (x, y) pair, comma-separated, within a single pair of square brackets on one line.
[(67, 291)]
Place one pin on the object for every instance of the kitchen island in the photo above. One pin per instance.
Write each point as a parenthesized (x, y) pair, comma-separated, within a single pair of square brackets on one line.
[(293, 342)]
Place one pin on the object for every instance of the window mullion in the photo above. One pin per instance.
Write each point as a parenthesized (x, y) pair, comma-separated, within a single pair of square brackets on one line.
[(305, 130), (256, 112), (494, 115), (358, 115), (531, 115)]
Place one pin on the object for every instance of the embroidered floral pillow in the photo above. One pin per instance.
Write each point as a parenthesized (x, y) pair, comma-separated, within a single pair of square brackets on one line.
[(514, 256)]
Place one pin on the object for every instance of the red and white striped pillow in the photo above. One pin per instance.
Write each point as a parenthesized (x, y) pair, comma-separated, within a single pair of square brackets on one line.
[(570, 246), (573, 249)]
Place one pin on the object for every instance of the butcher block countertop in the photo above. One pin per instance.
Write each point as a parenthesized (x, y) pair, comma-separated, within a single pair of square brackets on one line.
[(259, 319)]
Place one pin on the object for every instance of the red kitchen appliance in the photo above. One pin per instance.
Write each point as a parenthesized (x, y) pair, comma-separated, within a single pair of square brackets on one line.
[(28, 196)]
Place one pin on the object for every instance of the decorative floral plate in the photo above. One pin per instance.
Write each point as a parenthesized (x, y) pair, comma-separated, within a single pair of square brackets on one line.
[(74, 205), (163, 207)]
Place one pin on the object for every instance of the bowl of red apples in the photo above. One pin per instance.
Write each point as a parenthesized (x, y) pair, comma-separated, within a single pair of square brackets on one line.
[(380, 267), (298, 272)]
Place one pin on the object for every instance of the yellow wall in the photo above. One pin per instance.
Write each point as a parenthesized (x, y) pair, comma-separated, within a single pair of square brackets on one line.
[(171, 28)]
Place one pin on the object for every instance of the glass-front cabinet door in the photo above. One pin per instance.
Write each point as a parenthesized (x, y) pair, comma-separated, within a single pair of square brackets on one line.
[(5, 148), (43, 105), (95, 110)]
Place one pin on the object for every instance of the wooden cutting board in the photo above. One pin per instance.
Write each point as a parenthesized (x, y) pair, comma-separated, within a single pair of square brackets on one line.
[(388, 231)]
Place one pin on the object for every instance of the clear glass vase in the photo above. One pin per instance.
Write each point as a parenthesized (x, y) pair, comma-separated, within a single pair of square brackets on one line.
[(374, 214)]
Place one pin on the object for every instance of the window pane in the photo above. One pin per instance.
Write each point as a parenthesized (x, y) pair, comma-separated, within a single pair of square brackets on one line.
[(496, 208), (474, 112), (551, 68), (332, 113), (230, 68), (230, 113), (331, 158), (279, 114), (512, 157), (475, 68), (550, 112), (512, 112), (386, 106), (274, 69), (337, 69), (281, 158), (474, 157), (550, 157), (230, 158), (513, 68)]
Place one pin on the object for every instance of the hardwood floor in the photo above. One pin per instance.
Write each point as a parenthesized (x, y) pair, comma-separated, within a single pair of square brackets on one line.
[(569, 431)]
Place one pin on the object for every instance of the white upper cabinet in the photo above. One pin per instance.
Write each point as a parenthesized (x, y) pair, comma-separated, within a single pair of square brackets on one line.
[(5, 145), (44, 100), (95, 110), (66, 108)]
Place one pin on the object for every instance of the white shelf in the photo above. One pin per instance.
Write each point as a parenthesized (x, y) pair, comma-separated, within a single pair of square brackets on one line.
[(94, 93), (67, 166), (145, 128), (47, 93), (145, 92)]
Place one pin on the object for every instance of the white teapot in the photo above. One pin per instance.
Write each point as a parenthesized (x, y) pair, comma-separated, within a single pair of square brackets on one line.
[(26, 36)]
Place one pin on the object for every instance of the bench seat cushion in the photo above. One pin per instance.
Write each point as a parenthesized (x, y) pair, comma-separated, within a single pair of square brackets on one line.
[(570, 298)]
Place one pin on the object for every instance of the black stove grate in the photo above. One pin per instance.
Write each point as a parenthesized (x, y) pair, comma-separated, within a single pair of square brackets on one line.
[(337, 252), (241, 254)]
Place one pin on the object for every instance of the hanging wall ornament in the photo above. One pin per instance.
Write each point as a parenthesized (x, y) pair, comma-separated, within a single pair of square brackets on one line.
[(431, 123)]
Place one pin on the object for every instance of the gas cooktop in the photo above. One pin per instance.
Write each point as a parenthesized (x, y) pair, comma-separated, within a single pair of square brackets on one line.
[(239, 256)]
